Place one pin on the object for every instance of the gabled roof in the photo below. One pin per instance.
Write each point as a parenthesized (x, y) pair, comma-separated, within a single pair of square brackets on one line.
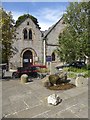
[(27, 16), (51, 28)]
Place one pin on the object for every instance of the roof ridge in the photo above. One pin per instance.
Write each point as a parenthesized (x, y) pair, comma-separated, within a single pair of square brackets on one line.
[(49, 30)]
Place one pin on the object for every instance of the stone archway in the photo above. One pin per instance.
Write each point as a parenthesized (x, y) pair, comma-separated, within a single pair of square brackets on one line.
[(27, 58)]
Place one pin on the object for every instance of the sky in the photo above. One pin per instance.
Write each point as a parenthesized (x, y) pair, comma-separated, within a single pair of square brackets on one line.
[(47, 13)]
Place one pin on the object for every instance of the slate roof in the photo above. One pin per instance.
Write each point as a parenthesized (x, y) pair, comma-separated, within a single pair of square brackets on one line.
[(51, 28)]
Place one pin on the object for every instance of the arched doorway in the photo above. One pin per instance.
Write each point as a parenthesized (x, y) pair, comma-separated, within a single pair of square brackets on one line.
[(27, 58), (53, 56)]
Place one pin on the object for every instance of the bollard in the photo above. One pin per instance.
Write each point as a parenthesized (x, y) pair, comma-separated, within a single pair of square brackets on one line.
[(24, 78)]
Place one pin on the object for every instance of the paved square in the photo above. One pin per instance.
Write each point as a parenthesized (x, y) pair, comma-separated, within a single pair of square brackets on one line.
[(30, 101)]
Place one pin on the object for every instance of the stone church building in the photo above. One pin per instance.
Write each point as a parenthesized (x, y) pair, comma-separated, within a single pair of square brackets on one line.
[(32, 46)]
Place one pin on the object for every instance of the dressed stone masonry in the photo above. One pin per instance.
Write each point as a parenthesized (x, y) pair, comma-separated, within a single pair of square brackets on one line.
[(81, 81), (24, 78), (31, 45)]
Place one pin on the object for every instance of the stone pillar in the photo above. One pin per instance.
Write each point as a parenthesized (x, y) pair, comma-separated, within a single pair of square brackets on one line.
[(21, 61), (44, 61), (33, 57)]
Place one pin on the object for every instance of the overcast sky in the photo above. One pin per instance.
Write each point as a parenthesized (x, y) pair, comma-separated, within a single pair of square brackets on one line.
[(47, 13)]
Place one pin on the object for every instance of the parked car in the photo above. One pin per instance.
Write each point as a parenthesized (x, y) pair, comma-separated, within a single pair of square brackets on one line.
[(39, 65), (76, 64), (31, 70), (3, 69)]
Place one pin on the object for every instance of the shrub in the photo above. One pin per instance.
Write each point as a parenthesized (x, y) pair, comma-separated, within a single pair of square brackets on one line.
[(53, 79), (77, 70), (72, 75), (87, 74), (43, 70), (63, 76), (88, 66), (72, 69), (65, 69)]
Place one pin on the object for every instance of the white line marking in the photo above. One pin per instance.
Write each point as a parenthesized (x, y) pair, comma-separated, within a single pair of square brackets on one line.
[(67, 108), (26, 104), (41, 113), (74, 113)]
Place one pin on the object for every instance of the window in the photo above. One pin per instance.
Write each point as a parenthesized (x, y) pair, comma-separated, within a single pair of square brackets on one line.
[(30, 34), (27, 23), (53, 56), (25, 34)]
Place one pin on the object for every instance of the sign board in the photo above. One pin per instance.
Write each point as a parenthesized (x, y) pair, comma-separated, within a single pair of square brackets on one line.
[(48, 59), (25, 60)]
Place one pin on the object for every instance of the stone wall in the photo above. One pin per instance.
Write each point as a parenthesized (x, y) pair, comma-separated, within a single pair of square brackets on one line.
[(36, 44), (20, 44), (52, 37)]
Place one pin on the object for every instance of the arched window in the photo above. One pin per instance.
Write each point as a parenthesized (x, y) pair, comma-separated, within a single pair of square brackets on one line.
[(53, 56), (25, 33), (30, 34)]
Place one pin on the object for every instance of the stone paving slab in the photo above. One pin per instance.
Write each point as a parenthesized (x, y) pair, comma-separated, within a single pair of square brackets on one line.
[(7, 109), (70, 110), (77, 108), (75, 91), (30, 101), (66, 114), (37, 110), (83, 113), (12, 116), (18, 105)]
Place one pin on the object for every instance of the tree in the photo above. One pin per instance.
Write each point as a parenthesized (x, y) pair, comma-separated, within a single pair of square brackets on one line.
[(73, 42), (7, 27), (23, 17)]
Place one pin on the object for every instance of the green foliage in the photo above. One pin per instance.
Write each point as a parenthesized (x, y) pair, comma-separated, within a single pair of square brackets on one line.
[(73, 42), (77, 70), (43, 70), (62, 76), (72, 75), (65, 69), (88, 66), (23, 17), (53, 79), (73, 72), (7, 27), (87, 74)]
